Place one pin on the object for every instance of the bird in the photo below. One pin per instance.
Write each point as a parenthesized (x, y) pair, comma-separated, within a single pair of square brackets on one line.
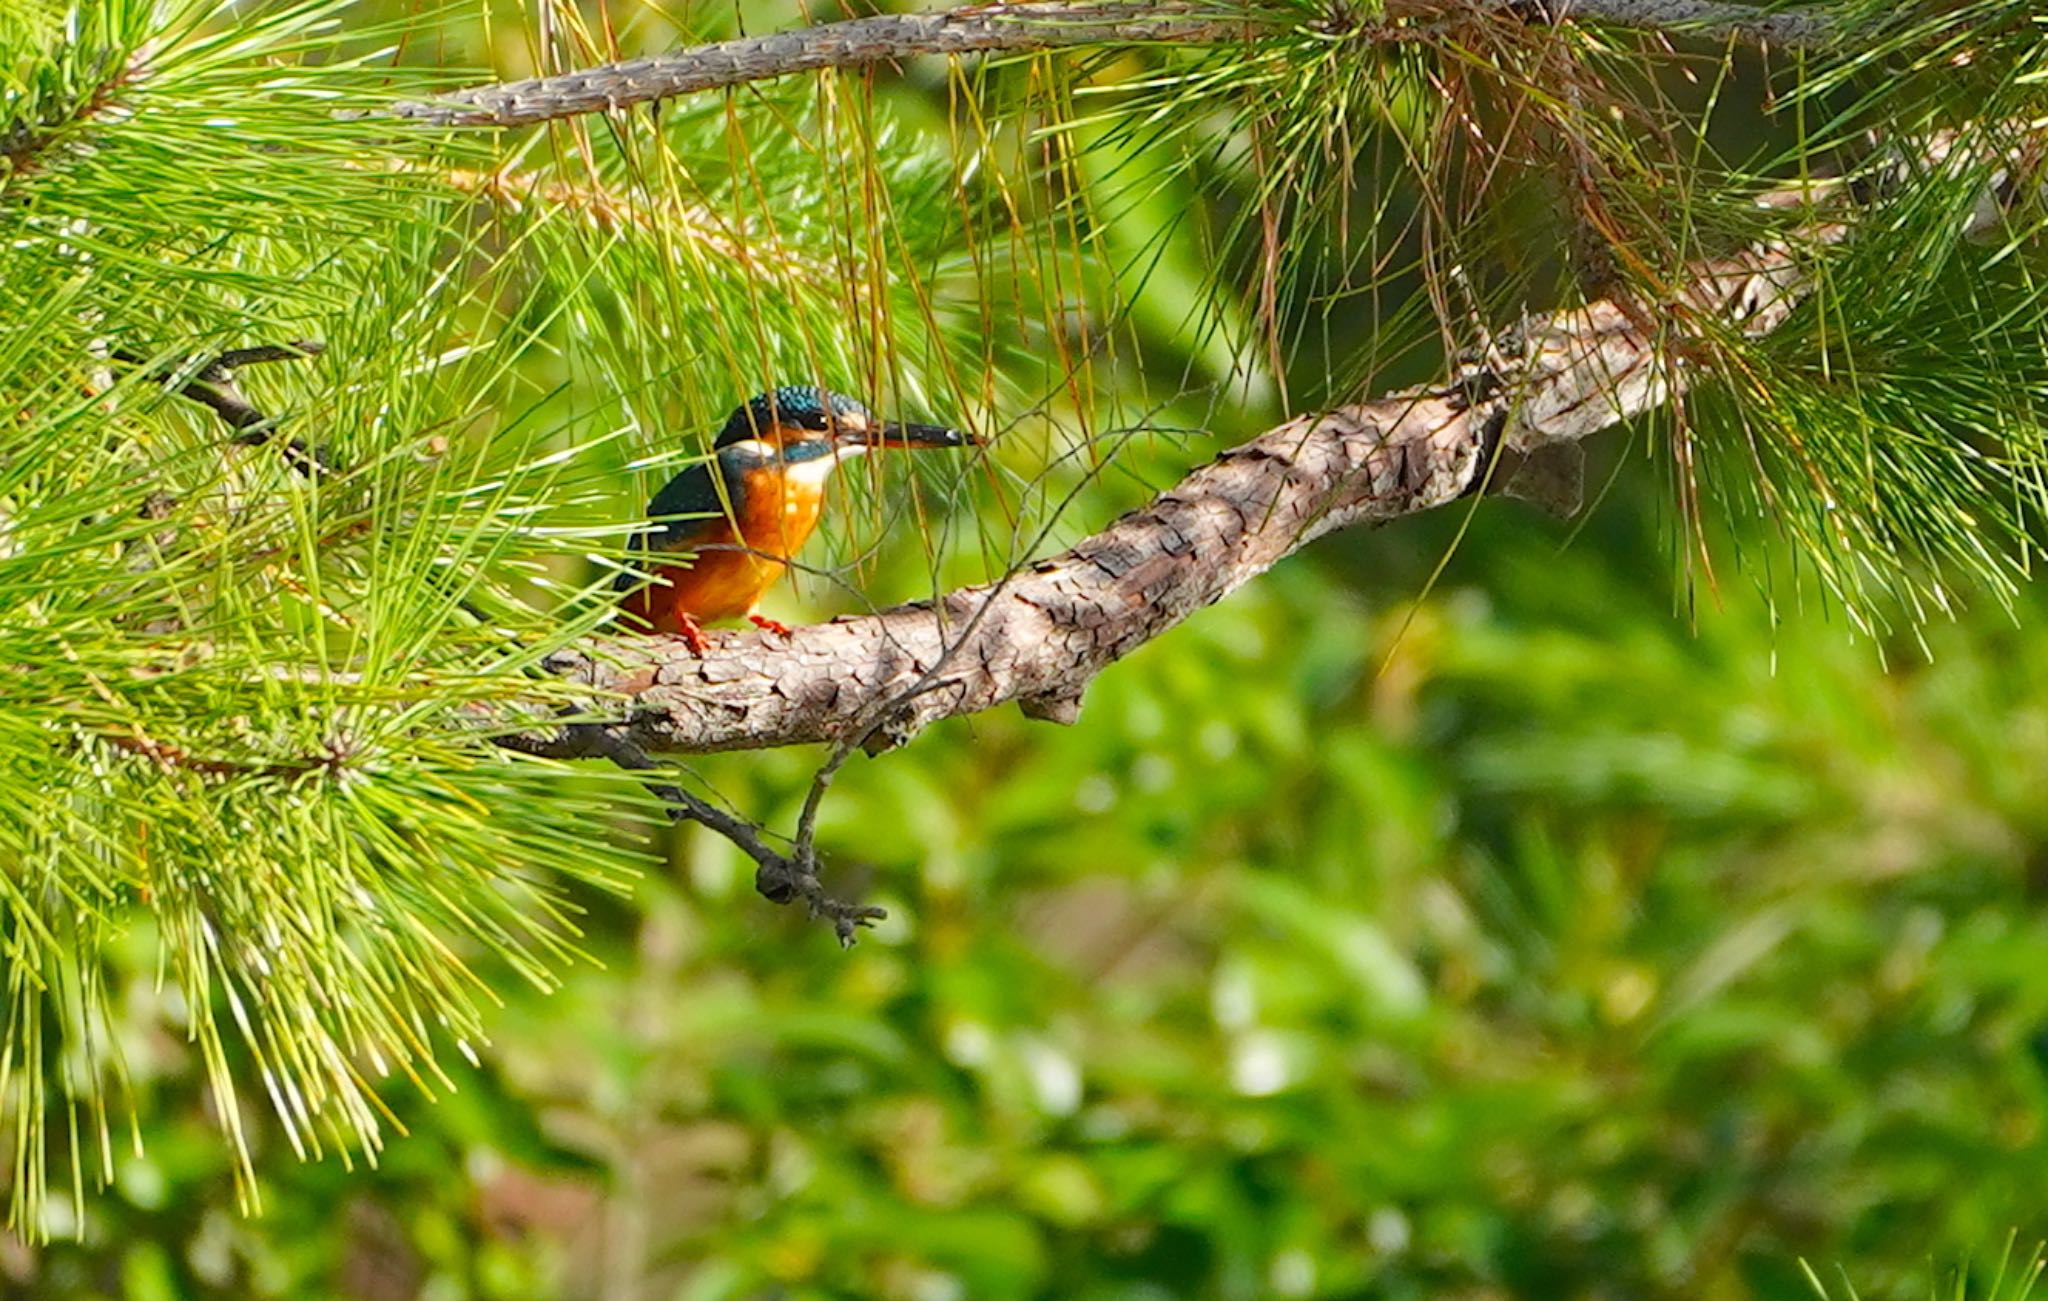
[(726, 528)]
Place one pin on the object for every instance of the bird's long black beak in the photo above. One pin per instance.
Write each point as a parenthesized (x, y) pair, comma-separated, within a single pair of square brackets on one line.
[(889, 433)]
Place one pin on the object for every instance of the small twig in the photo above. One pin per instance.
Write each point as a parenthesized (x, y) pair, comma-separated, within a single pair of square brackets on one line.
[(212, 386), (512, 190), (168, 756), (297, 349)]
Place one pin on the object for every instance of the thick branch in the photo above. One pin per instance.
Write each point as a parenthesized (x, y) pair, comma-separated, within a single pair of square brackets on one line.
[(1040, 636), (995, 28)]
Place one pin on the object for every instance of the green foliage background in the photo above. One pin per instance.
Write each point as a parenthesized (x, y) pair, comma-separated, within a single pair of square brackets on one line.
[(1486, 907)]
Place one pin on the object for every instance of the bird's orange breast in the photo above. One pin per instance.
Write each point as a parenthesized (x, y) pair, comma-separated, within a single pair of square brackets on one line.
[(733, 562), (779, 511)]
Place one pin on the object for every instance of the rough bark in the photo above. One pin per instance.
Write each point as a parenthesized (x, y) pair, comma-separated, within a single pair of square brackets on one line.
[(1041, 635)]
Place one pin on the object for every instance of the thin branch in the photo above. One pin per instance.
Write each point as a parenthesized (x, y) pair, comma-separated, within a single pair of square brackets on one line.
[(855, 42), (169, 757), (1033, 25), (236, 358), (212, 385), (780, 878), (1714, 20)]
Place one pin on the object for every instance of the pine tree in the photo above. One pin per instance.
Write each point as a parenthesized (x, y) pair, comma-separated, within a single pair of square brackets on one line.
[(330, 387)]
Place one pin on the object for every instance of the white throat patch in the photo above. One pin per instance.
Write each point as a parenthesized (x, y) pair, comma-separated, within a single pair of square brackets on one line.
[(814, 472)]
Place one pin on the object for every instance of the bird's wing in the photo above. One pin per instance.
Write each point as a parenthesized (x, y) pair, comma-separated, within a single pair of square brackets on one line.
[(688, 512)]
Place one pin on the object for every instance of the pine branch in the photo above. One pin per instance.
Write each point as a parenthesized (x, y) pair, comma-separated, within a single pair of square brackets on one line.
[(1041, 636), (23, 145), (610, 211), (1012, 28)]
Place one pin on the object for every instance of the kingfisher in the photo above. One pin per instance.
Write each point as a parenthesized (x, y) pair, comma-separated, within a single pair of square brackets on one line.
[(732, 523)]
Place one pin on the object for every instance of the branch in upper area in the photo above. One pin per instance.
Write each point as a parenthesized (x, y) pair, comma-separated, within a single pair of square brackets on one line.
[(1714, 20), (1013, 28)]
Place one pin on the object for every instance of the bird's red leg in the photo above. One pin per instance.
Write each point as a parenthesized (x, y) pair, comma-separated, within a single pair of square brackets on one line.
[(692, 634), (766, 624)]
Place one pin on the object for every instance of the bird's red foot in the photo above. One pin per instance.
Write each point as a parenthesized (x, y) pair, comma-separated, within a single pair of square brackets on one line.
[(766, 624), (693, 636)]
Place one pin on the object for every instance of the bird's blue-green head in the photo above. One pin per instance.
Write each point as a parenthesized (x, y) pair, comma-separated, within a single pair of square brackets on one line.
[(799, 422)]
